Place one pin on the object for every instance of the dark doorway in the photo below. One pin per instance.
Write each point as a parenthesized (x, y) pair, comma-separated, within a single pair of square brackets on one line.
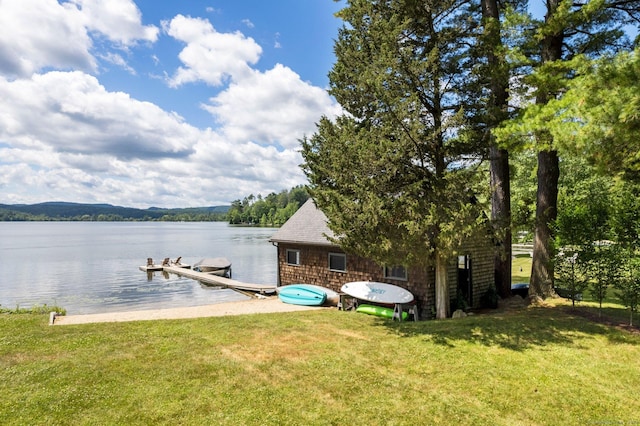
[(465, 285)]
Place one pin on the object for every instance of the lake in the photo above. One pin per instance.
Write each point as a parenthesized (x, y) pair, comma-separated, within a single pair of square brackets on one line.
[(92, 267)]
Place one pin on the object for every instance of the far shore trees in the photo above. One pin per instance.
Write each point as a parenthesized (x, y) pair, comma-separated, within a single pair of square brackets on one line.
[(272, 210)]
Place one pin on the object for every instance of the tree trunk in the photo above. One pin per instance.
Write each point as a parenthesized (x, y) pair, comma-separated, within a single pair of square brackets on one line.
[(499, 158), (541, 283), (501, 218), (442, 287)]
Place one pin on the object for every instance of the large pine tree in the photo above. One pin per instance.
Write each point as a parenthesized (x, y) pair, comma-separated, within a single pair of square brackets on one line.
[(569, 28), (494, 83), (395, 173)]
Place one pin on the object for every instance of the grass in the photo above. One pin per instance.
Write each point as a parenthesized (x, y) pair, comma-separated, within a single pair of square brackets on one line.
[(531, 367), (612, 308), (521, 269), (37, 309)]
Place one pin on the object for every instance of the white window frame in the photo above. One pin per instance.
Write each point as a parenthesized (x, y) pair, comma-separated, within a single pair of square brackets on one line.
[(390, 273), (297, 256), (343, 256)]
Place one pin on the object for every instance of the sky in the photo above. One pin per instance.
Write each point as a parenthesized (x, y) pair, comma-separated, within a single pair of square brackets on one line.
[(144, 103)]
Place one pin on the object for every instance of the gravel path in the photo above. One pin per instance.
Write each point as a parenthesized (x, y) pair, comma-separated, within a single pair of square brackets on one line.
[(253, 306)]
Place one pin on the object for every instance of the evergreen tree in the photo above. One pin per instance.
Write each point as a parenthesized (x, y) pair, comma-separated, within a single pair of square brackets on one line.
[(597, 117), (569, 28), (395, 174), (494, 73)]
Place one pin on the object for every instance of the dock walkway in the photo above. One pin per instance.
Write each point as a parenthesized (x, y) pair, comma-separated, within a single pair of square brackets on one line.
[(221, 281)]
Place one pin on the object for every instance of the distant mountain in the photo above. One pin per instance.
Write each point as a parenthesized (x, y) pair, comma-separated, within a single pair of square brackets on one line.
[(57, 210)]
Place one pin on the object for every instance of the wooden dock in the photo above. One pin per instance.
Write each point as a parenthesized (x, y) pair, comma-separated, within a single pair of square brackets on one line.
[(221, 281)]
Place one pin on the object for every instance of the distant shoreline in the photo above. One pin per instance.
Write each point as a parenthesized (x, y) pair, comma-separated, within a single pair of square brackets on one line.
[(77, 212)]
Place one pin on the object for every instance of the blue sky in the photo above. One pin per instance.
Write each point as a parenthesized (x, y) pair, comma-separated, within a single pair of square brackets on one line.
[(159, 103)]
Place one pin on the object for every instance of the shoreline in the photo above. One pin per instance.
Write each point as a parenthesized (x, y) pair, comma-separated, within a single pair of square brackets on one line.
[(243, 307)]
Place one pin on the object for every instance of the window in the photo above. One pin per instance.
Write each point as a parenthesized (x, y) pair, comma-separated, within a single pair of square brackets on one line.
[(338, 262), (293, 257), (395, 272), (464, 262)]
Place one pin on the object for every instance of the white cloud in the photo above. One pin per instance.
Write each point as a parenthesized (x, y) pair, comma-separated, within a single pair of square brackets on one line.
[(118, 60), (118, 20), (63, 133), (59, 35), (72, 112), (65, 136), (248, 23), (60, 41), (275, 107), (210, 56)]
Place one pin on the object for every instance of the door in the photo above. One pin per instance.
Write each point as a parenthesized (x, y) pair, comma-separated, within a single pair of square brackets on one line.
[(465, 285)]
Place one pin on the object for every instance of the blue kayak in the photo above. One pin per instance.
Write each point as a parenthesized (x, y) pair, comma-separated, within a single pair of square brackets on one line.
[(302, 294)]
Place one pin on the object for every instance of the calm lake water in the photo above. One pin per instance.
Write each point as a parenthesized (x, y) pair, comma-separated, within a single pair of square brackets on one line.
[(92, 267)]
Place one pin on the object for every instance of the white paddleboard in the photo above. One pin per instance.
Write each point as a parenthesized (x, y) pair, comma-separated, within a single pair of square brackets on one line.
[(372, 291)]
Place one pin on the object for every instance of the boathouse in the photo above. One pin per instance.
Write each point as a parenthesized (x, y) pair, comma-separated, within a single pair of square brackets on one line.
[(305, 255)]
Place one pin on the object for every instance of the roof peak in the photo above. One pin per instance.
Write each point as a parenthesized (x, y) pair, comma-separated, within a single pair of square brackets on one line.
[(308, 225)]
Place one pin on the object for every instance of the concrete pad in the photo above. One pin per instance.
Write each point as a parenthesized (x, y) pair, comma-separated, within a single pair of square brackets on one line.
[(253, 306)]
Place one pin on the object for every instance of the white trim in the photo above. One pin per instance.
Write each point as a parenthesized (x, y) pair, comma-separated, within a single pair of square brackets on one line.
[(342, 255), (297, 257), (393, 269)]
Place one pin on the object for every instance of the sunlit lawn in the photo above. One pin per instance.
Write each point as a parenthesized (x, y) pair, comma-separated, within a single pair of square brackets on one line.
[(534, 366), (611, 305), (521, 269), (531, 366)]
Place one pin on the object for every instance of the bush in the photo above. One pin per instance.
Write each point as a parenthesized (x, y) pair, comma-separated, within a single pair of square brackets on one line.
[(490, 298)]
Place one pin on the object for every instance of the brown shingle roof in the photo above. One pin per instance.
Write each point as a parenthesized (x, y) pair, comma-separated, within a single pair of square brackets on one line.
[(308, 226)]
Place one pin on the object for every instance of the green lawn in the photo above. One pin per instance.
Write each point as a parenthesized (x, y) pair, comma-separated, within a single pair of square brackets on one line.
[(535, 366), (611, 307), (521, 269)]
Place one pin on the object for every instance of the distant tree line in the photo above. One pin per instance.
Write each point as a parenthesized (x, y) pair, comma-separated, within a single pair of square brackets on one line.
[(13, 216), (47, 212), (272, 210)]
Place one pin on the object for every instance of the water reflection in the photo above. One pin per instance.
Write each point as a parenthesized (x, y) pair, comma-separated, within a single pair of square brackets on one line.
[(91, 267)]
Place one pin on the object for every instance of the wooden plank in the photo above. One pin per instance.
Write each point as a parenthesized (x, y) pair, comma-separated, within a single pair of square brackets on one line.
[(222, 281)]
